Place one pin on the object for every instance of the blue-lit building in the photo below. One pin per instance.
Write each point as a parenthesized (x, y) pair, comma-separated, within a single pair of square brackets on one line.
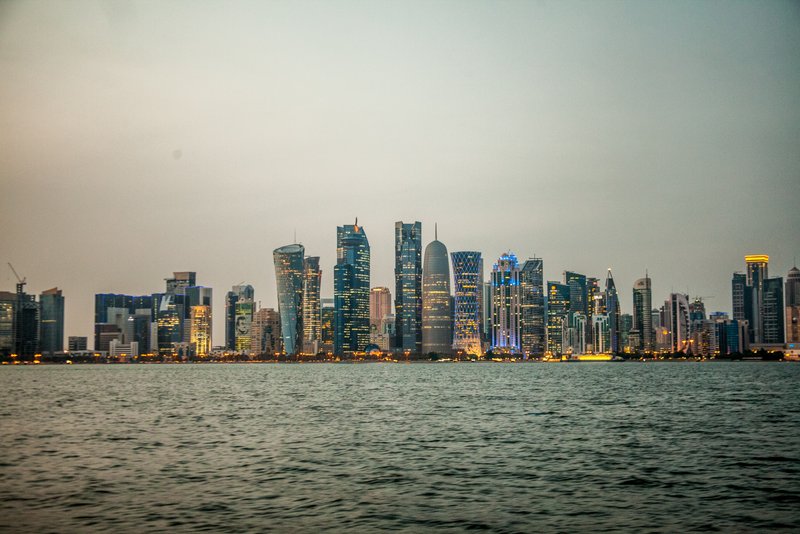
[(408, 285), (468, 281), (289, 277), (351, 289), (506, 305), (532, 295)]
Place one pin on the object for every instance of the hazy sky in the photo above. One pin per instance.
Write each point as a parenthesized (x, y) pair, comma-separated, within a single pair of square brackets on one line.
[(141, 138)]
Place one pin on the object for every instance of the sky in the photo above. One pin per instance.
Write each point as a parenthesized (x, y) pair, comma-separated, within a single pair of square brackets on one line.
[(142, 138)]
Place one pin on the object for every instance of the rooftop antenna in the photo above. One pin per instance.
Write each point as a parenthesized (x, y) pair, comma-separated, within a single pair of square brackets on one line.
[(436, 231)]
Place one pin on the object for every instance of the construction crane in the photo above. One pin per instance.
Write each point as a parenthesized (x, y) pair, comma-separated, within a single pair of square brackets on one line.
[(20, 281)]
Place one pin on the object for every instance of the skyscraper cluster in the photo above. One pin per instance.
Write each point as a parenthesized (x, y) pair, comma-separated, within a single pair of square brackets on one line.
[(442, 306), (28, 327)]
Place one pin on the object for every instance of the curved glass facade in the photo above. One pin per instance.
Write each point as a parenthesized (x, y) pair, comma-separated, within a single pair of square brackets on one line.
[(437, 331), (289, 277)]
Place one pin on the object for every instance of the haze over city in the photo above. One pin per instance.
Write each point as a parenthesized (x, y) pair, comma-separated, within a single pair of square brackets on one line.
[(139, 139)]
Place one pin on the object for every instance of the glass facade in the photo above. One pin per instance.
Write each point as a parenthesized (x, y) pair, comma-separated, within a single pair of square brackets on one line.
[(533, 321), (773, 312), (437, 315), (312, 279), (289, 274), (408, 285), (351, 289), (468, 281), (506, 305), (613, 311), (200, 329), (557, 313), (642, 328), (52, 321)]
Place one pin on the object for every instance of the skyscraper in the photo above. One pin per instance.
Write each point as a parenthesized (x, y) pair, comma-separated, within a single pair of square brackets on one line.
[(792, 302), (289, 277), (613, 311), (351, 289), (312, 279), (642, 314), (532, 307), (246, 294), (200, 329), (506, 305), (739, 290), (757, 272), (52, 321), (677, 324), (408, 285), (557, 313), (437, 333), (266, 337), (468, 281), (380, 305), (772, 312)]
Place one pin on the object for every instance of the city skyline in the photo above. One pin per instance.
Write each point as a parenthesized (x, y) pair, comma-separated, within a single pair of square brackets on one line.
[(635, 136)]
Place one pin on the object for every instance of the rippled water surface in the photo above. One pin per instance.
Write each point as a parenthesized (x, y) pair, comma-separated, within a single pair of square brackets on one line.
[(499, 447)]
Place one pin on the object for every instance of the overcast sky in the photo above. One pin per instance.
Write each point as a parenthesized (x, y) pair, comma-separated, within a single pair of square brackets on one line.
[(141, 138)]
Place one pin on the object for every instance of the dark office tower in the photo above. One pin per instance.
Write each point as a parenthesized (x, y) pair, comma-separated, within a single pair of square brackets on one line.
[(52, 321), (531, 281), (230, 320), (625, 326), (757, 272), (792, 303), (557, 311), (289, 277), (738, 290), (437, 315), (408, 285), (468, 282), (104, 301), (180, 281), (613, 311), (312, 279), (168, 321), (486, 314), (642, 315), (27, 325), (773, 312), (578, 301), (351, 289)]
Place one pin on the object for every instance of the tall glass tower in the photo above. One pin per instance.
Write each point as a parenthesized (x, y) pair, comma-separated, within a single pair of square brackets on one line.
[(643, 314), (612, 309), (52, 321), (557, 312), (468, 280), (531, 284), (506, 305), (312, 279), (437, 332), (289, 277), (351, 289), (757, 272), (408, 285)]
